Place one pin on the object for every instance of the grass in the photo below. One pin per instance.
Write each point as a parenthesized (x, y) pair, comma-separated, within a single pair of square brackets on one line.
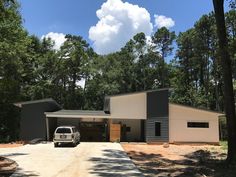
[(224, 145)]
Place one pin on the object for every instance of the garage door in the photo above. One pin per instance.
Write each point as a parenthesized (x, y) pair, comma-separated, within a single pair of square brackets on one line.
[(93, 131)]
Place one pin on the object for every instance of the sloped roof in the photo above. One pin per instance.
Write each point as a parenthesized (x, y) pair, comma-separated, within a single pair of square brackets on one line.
[(47, 100), (201, 109)]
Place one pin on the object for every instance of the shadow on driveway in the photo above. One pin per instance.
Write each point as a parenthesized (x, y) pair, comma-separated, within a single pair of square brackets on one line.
[(13, 154), (20, 173), (114, 163)]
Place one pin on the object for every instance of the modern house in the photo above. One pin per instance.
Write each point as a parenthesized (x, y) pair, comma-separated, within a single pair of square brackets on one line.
[(141, 116)]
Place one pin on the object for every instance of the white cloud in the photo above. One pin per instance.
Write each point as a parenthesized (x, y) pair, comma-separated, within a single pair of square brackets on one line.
[(118, 22), (163, 21), (58, 38)]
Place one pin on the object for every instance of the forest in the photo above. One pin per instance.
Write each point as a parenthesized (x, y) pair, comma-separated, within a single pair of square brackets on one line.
[(187, 63)]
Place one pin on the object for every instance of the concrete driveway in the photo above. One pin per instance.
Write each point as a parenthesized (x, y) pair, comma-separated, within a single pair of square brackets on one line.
[(87, 159)]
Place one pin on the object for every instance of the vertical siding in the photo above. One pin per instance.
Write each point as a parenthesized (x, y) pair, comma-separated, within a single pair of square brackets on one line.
[(33, 123), (135, 128), (33, 120), (157, 111)]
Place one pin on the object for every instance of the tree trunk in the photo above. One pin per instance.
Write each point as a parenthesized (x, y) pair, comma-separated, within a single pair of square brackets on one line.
[(227, 79)]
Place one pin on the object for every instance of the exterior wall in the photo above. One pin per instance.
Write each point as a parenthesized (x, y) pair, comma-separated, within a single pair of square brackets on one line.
[(179, 132), (33, 120), (131, 106), (74, 121), (67, 122), (52, 125), (32, 123), (135, 127), (150, 133), (157, 111)]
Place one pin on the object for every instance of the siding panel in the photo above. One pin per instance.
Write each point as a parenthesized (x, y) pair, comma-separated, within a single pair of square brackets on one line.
[(150, 127), (157, 111), (33, 120)]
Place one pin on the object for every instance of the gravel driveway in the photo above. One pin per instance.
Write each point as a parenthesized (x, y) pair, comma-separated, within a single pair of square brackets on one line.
[(87, 159)]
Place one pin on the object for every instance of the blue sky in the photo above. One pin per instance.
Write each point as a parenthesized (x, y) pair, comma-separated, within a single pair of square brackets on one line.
[(78, 16)]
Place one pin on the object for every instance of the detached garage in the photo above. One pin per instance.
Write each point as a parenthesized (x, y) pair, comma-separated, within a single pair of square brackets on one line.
[(134, 117)]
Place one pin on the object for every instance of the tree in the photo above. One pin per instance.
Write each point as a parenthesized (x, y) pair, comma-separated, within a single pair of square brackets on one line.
[(140, 63), (196, 75), (163, 40), (183, 81), (73, 59), (230, 19), (227, 78), (37, 73), (12, 49), (104, 79)]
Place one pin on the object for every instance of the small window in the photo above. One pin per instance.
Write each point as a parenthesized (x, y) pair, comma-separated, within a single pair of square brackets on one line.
[(198, 124), (128, 129), (157, 128)]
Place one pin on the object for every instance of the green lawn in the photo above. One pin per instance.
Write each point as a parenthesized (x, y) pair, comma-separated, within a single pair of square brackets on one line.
[(224, 145)]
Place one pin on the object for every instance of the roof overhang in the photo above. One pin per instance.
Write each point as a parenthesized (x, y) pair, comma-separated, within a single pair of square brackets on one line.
[(78, 114), (81, 114)]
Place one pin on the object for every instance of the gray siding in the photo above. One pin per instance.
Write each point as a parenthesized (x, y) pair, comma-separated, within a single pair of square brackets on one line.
[(157, 111), (33, 120), (150, 127)]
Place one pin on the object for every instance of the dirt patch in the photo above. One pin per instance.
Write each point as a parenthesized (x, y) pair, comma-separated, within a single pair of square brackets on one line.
[(10, 145), (179, 160), (7, 167)]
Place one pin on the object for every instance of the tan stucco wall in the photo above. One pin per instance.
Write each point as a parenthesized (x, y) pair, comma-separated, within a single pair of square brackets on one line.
[(135, 128), (179, 132), (131, 106)]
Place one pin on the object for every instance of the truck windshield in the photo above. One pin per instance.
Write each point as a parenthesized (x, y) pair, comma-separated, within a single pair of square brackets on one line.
[(63, 130)]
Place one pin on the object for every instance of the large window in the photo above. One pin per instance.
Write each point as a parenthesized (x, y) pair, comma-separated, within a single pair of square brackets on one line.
[(157, 128), (198, 124)]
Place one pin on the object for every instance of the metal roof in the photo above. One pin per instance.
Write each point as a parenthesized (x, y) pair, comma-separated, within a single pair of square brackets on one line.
[(78, 114), (46, 100)]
